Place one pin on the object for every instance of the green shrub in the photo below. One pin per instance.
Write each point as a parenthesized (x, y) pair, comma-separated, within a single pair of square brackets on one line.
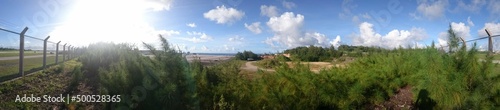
[(143, 82)]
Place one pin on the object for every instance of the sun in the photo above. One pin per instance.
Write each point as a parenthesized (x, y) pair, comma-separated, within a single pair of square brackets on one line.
[(106, 21)]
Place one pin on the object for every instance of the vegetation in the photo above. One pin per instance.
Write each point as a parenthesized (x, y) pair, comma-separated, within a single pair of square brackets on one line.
[(52, 81), (314, 54), (144, 83), (438, 80), (246, 55), (16, 53), (6, 49), (11, 67)]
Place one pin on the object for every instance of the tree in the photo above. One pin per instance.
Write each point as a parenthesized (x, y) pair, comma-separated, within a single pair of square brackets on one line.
[(246, 54), (452, 40)]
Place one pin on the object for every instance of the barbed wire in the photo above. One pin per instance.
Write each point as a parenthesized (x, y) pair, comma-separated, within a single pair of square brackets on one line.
[(13, 32), (481, 38)]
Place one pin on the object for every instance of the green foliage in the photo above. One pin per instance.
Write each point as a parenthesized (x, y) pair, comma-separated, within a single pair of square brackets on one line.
[(313, 53), (246, 55), (6, 49), (281, 57), (439, 80), (164, 79), (268, 63)]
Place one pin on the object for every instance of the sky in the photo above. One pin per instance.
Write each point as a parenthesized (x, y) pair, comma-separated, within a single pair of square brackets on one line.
[(262, 26)]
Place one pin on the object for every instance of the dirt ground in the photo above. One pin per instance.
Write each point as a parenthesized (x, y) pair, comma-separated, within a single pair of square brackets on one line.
[(402, 100)]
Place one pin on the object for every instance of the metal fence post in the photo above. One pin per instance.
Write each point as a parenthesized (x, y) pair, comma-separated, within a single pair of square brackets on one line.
[(64, 52), (21, 51), (45, 51), (57, 51), (490, 43), (69, 52)]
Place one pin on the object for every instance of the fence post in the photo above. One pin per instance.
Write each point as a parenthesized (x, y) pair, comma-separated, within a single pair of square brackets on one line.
[(21, 51), (463, 42), (45, 51), (490, 43), (69, 52), (57, 51), (64, 52)]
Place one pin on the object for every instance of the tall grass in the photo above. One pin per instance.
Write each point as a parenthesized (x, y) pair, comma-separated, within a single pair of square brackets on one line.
[(439, 80), (144, 83)]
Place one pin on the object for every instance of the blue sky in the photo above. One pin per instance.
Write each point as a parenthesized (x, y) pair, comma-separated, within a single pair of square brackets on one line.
[(228, 26)]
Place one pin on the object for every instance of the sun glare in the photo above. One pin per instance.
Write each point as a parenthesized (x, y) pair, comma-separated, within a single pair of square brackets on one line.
[(106, 20)]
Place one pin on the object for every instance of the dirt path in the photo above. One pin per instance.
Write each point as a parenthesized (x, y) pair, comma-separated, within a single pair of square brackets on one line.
[(402, 100), (17, 57), (250, 67)]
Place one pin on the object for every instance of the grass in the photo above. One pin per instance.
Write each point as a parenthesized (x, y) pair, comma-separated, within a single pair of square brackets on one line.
[(9, 54), (10, 67), (53, 81), (483, 56)]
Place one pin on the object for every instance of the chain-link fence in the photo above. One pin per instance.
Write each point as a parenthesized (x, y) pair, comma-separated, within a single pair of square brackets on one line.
[(27, 54)]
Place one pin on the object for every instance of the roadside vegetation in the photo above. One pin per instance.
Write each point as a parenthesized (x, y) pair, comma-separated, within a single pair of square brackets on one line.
[(436, 79), (456, 79), (10, 68), (58, 79), (247, 55), (315, 54), (7, 49)]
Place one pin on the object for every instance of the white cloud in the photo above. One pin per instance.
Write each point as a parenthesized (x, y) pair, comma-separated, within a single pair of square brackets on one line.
[(236, 39), (204, 48), (461, 30), (228, 48), (493, 29), (199, 37), (288, 5), (288, 32), (443, 39), (254, 27), (473, 6), (469, 22), (192, 48), (158, 5), (193, 25), (223, 15), (269, 11), (393, 39), (432, 10), (336, 42), (168, 33)]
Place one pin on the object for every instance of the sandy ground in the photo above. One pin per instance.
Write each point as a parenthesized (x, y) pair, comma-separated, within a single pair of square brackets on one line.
[(208, 60), (250, 67)]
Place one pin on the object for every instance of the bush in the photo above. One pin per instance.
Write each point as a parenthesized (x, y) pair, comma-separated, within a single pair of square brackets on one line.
[(247, 54), (268, 63), (143, 82)]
